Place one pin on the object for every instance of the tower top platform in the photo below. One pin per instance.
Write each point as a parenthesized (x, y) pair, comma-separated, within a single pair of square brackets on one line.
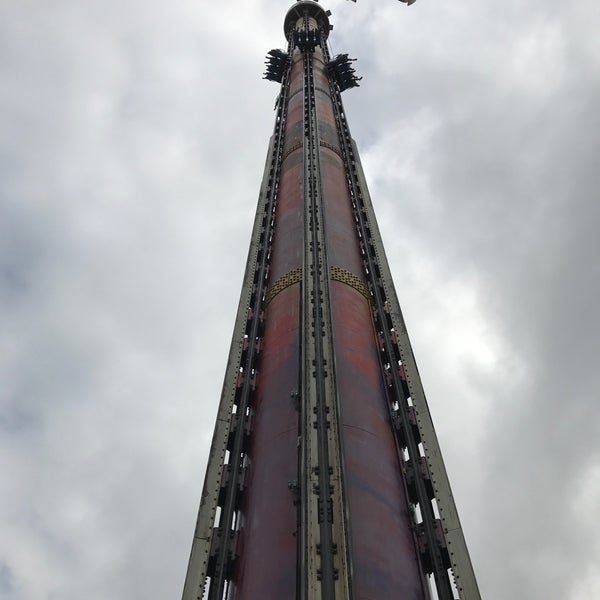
[(315, 11)]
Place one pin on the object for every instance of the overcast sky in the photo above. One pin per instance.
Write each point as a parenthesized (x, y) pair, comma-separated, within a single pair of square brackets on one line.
[(132, 140)]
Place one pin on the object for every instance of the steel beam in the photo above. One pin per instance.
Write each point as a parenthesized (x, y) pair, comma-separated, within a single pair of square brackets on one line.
[(205, 549), (323, 517), (462, 567), (318, 314), (198, 564)]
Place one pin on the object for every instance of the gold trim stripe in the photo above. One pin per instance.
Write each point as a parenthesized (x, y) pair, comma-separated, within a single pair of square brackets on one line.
[(345, 276), (293, 148), (293, 276), (337, 274), (331, 147)]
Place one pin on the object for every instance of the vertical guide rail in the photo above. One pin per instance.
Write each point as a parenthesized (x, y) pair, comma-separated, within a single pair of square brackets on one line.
[(323, 527), (343, 543), (462, 567), (213, 546), (426, 480), (315, 364), (436, 565)]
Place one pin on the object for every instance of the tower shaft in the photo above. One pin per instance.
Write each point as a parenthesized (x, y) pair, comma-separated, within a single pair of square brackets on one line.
[(324, 473)]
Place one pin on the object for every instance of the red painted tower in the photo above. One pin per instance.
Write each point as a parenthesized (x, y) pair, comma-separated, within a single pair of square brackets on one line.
[(325, 479)]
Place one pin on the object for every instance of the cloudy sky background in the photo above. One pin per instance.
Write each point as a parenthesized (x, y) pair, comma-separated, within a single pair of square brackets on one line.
[(132, 141)]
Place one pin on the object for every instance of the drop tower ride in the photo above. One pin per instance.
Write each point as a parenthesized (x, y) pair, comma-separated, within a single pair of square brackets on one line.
[(325, 480)]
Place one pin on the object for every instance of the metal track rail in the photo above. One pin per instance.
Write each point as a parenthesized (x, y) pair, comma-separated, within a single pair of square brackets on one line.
[(313, 276), (324, 528), (434, 555), (420, 417), (213, 547)]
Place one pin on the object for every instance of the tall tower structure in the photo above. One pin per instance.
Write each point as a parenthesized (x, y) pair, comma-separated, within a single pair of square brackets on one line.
[(325, 480)]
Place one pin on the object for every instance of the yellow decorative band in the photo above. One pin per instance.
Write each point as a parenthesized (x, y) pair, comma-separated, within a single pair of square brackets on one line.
[(290, 150), (293, 276), (344, 276), (337, 274), (331, 147)]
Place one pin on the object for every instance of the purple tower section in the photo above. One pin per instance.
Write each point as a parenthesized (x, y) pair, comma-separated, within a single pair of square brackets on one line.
[(325, 480)]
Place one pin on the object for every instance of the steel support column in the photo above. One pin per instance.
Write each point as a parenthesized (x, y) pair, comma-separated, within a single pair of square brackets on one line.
[(324, 465)]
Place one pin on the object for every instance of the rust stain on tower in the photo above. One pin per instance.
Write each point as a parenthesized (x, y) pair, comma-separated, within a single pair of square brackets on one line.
[(325, 479)]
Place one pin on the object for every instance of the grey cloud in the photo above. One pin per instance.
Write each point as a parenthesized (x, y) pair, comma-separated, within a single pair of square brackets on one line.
[(131, 149)]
